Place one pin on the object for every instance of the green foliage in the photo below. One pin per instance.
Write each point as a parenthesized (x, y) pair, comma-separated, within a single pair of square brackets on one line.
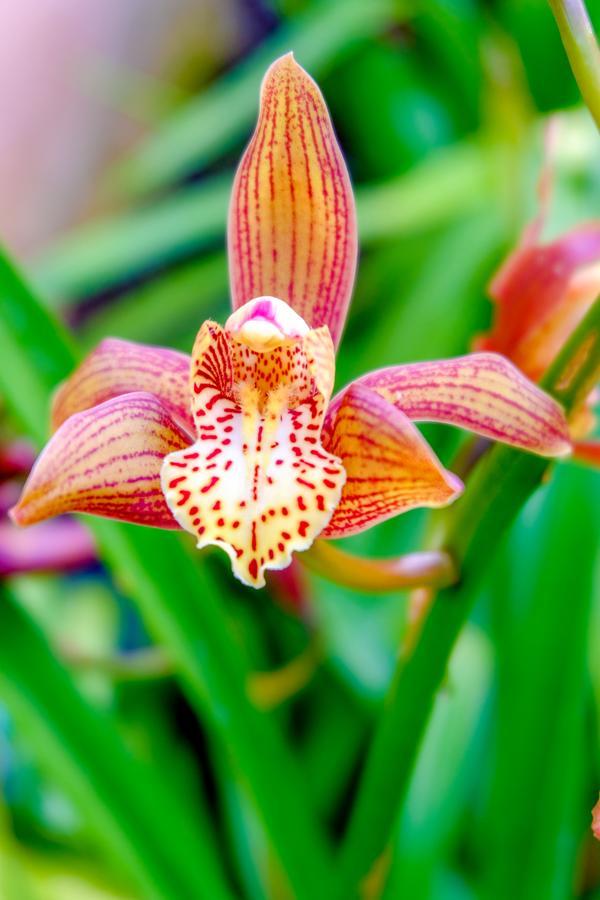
[(153, 833), (217, 120), (475, 759), (542, 647)]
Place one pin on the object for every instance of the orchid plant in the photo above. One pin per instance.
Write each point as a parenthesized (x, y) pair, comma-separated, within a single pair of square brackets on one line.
[(241, 444)]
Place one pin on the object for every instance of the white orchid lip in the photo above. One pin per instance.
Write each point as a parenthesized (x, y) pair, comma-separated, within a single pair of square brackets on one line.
[(265, 323), (257, 482)]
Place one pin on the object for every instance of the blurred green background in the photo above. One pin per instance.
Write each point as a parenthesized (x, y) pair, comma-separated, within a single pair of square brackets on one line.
[(121, 773)]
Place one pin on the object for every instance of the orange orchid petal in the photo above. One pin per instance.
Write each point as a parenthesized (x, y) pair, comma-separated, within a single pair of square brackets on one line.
[(587, 452), (541, 344), (105, 460), (118, 367), (292, 223), (481, 392), (541, 293), (257, 482), (390, 467)]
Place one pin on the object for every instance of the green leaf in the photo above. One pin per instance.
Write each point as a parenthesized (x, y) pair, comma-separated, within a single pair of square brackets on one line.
[(219, 118), (542, 615), (30, 368), (155, 839), (445, 770), (104, 253), (166, 309), (452, 180)]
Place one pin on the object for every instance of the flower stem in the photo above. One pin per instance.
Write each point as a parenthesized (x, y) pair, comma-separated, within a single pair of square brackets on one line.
[(267, 689), (271, 688), (496, 492), (145, 664), (582, 49), (433, 568)]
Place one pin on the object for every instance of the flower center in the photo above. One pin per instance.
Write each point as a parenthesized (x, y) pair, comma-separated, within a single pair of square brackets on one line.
[(257, 482)]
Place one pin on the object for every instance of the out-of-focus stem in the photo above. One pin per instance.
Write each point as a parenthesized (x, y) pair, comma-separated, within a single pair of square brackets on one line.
[(266, 689), (432, 568), (582, 49), (145, 664)]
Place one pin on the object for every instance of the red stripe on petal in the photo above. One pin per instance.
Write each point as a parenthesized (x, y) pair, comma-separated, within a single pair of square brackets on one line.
[(292, 223), (481, 392), (390, 467), (119, 367), (106, 461)]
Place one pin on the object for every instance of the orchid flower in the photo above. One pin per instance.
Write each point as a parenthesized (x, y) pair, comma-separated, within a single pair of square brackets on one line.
[(241, 444), (541, 293)]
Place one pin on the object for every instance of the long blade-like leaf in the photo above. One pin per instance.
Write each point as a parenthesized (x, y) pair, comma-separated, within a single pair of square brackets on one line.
[(127, 804)]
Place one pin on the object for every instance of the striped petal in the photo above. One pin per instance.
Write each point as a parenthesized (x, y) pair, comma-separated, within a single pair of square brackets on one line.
[(481, 392), (118, 367), (390, 467), (257, 482), (292, 223), (105, 460), (541, 294)]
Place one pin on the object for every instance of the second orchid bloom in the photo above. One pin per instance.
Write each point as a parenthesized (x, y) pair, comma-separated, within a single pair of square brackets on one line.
[(541, 294), (241, 444)]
